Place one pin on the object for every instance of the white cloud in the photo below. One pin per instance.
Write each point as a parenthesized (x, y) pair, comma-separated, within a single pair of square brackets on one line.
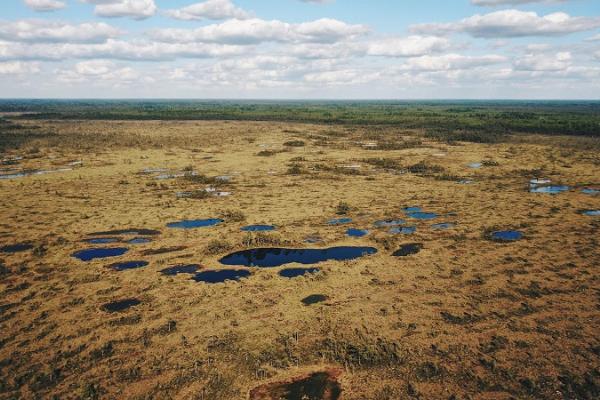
[(448, 62), (544, 62), (98, 72), (115, 49), (49, 31), (45, 5), (511, 2), (253, 31), (136, 9), (18, 68), (512, 23), (410, 46), (211, 9)]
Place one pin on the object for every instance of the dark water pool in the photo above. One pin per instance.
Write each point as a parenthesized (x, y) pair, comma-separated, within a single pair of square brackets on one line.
[(120, 305), (275, 257), (314, 299), (123, 266), (195, 223), (408, 249), (507, 236), (258, 228), (352, 232), (411, 209), (296, 272), (16, 248), (221, 276), (92, 254), (102, 240), (181, 269)]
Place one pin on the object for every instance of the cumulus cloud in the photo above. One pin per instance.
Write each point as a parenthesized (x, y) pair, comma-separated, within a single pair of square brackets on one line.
[(98, 72), (254, 31), (544, 62), (511, 2), (136, 9), (211, 9), (512, 23), (139, 50), (45, 5), (410, 46), (18, 68), (50, 31), (448, 62)]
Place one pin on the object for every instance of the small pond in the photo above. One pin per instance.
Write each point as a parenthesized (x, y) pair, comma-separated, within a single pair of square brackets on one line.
[(296, 272), (92, 254), (195, 223), (353, 232), (275, 257), (507, 236), (258, 228), (123, 266)]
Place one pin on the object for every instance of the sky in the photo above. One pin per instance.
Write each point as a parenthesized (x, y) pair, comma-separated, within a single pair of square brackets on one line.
[(300, 49)]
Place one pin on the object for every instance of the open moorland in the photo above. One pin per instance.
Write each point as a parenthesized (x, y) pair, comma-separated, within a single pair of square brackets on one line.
[(301, 252)]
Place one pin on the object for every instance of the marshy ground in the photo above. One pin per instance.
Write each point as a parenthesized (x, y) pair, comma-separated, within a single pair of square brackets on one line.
[(455, 314)]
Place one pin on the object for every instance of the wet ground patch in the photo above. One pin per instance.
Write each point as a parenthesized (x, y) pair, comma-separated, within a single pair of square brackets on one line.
[(120, 305), (296, 272), (16, 248), (132, 231), (315, 386), (549, 189), (443, 226), (405, 230), (591, 213), (163, 250), (221, 276), (339, 221), (590, 191), (258, 228), (139, 240), (408, 249), (388, 223), (180, 269), (195, 223), (275, 257), (123, 266), (314, 299), (96, 253)]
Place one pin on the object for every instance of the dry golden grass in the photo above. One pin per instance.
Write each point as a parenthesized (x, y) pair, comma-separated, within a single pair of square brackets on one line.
[(464, 318)]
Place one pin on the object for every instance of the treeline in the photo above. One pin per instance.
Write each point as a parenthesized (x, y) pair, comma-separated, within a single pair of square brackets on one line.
[(458, 120)]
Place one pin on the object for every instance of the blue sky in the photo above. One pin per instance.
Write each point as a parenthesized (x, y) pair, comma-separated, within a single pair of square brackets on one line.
[(300, 49)]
